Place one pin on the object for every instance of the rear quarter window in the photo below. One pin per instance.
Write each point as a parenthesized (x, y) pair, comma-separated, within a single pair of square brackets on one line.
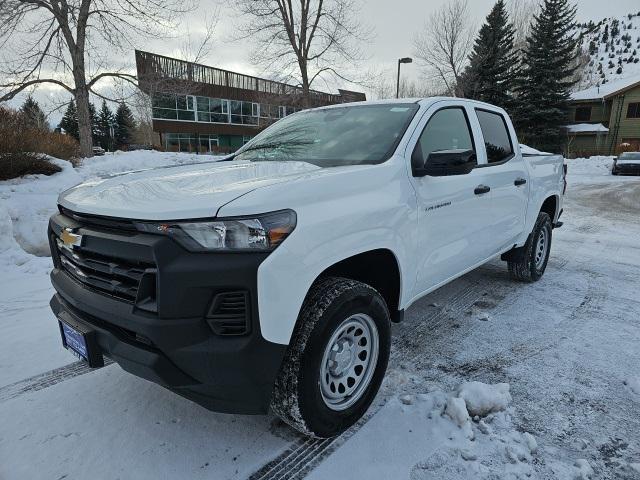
[(497, 140)]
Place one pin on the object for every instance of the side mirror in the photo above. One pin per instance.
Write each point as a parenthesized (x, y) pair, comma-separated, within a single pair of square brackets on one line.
[(444, 163)]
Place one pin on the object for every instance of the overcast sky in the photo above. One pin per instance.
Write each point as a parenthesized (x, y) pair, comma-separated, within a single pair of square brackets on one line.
[(393, 22)]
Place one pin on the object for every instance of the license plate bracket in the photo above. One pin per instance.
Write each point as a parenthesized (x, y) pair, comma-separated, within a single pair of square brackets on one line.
[(80, 339)]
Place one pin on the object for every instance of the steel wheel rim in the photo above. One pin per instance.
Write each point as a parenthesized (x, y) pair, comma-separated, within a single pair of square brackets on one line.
[(542, 245), (349, 361)]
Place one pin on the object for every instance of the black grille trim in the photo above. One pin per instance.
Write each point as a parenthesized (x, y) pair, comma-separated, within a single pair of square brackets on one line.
[(108, 223), (229, 313), (109, 275)]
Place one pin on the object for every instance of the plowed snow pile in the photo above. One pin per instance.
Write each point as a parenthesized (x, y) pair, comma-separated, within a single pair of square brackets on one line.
[(466, 434), (27, 203)]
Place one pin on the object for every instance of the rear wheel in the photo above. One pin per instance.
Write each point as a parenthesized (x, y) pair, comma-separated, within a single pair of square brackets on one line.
[(530, 263), (336, 360)]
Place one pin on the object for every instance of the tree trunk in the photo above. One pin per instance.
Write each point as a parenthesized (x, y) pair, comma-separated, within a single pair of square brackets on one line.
[(306, 100), (82, 100), (84, 121)]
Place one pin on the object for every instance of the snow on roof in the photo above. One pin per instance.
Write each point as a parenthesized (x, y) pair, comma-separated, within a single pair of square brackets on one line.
[(606, 90), (587, 128)]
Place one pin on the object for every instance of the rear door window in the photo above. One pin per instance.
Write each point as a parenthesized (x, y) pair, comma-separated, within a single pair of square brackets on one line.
[(497, 140)]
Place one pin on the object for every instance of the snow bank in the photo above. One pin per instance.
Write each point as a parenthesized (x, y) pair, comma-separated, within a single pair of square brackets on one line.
[(27, 203), (433, 436), (482, 399)]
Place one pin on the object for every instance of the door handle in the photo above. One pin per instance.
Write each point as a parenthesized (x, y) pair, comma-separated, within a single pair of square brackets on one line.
[(519, 182), (482, 189)]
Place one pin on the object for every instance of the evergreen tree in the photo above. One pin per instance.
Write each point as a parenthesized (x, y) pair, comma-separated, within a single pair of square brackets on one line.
[(492, 72), (615, 28), (33, 114), (124, 126), (549, 65), (95, 134), (69, 122), (105, 120)]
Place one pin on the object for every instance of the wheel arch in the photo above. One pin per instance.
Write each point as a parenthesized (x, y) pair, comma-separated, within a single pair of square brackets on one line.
[(378, 268), (550, 206)]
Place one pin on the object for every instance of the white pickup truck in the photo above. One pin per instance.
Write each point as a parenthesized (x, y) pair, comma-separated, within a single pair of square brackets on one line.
[(270, 278)]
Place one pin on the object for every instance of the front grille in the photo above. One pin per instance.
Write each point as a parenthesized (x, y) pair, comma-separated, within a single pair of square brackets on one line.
[(229, 313), (113, 276)]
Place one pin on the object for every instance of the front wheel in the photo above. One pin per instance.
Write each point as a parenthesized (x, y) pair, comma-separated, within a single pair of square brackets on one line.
[(336, 360), (531, 262)]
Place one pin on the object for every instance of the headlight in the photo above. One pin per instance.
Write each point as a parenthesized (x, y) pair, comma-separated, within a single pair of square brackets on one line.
[(255, 233)]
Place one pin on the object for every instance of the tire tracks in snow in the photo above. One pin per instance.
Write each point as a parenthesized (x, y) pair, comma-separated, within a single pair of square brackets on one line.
[(46, 379)]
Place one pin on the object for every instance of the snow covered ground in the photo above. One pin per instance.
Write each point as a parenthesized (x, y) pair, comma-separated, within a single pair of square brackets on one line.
[(488, 379)]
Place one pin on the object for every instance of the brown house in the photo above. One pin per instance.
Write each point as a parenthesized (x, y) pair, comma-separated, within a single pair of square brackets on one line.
[(605, 119), (197, 108)]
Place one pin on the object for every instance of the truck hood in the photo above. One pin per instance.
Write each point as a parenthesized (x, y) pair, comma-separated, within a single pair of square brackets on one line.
[(188, 191)]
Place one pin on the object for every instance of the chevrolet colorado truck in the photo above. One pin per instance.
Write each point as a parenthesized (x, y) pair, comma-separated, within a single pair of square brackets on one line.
[(270, 278)]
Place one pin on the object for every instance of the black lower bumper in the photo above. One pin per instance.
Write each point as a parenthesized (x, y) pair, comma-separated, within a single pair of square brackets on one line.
[(176, 347)]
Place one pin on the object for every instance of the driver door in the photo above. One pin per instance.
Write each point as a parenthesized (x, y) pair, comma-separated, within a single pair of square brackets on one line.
[(454, 210)]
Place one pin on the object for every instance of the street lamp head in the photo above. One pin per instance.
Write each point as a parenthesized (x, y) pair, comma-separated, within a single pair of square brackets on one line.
[(406, 60)]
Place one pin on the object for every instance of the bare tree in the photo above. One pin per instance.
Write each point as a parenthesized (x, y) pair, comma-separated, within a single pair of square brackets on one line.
[(304, 39), (521, 13), (443, 45), (59, 42), (383, 86)]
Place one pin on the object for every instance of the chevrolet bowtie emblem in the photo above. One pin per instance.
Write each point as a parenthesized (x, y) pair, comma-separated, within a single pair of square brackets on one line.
[(69, 238)]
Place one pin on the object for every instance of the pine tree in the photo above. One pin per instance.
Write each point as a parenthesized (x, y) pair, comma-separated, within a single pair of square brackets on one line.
[(492, 72), (95, 134), (69, 121), (125, 125), (549, 65), (615, 28), (33, 114), (105, 120)]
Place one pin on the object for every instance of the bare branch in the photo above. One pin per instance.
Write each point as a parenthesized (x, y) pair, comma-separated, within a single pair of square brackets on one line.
[(314, 38), (62, 42), (443, 45), (16, 88)]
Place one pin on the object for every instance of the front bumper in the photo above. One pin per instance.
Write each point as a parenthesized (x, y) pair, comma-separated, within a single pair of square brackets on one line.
[(173, 343)]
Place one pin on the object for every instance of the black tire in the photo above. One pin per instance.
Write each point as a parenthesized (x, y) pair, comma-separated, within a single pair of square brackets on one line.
[(297, 396), (523, 267)]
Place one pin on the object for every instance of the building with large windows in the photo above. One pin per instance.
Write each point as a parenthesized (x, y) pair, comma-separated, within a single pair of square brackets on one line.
[(197, 108)]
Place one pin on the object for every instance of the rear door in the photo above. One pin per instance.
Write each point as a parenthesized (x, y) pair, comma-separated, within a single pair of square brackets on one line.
[(506, 175), (454, 212)]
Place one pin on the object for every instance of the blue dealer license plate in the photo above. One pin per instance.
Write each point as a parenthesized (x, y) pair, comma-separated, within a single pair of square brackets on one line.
[(80, 339), (74, 341)]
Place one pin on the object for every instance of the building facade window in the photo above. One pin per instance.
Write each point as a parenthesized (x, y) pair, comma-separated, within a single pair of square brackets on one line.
[(215, 110), (583, 114), (634, 110), (191, 142)]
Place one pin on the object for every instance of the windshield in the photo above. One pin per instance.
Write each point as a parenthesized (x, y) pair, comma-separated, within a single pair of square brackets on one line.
[(329, 137), (630, 156)]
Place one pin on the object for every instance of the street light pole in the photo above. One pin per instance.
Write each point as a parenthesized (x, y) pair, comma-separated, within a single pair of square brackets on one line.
[(401, 60)]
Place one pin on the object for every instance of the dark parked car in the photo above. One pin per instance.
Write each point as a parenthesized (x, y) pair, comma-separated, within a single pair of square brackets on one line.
[(627, 163)]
